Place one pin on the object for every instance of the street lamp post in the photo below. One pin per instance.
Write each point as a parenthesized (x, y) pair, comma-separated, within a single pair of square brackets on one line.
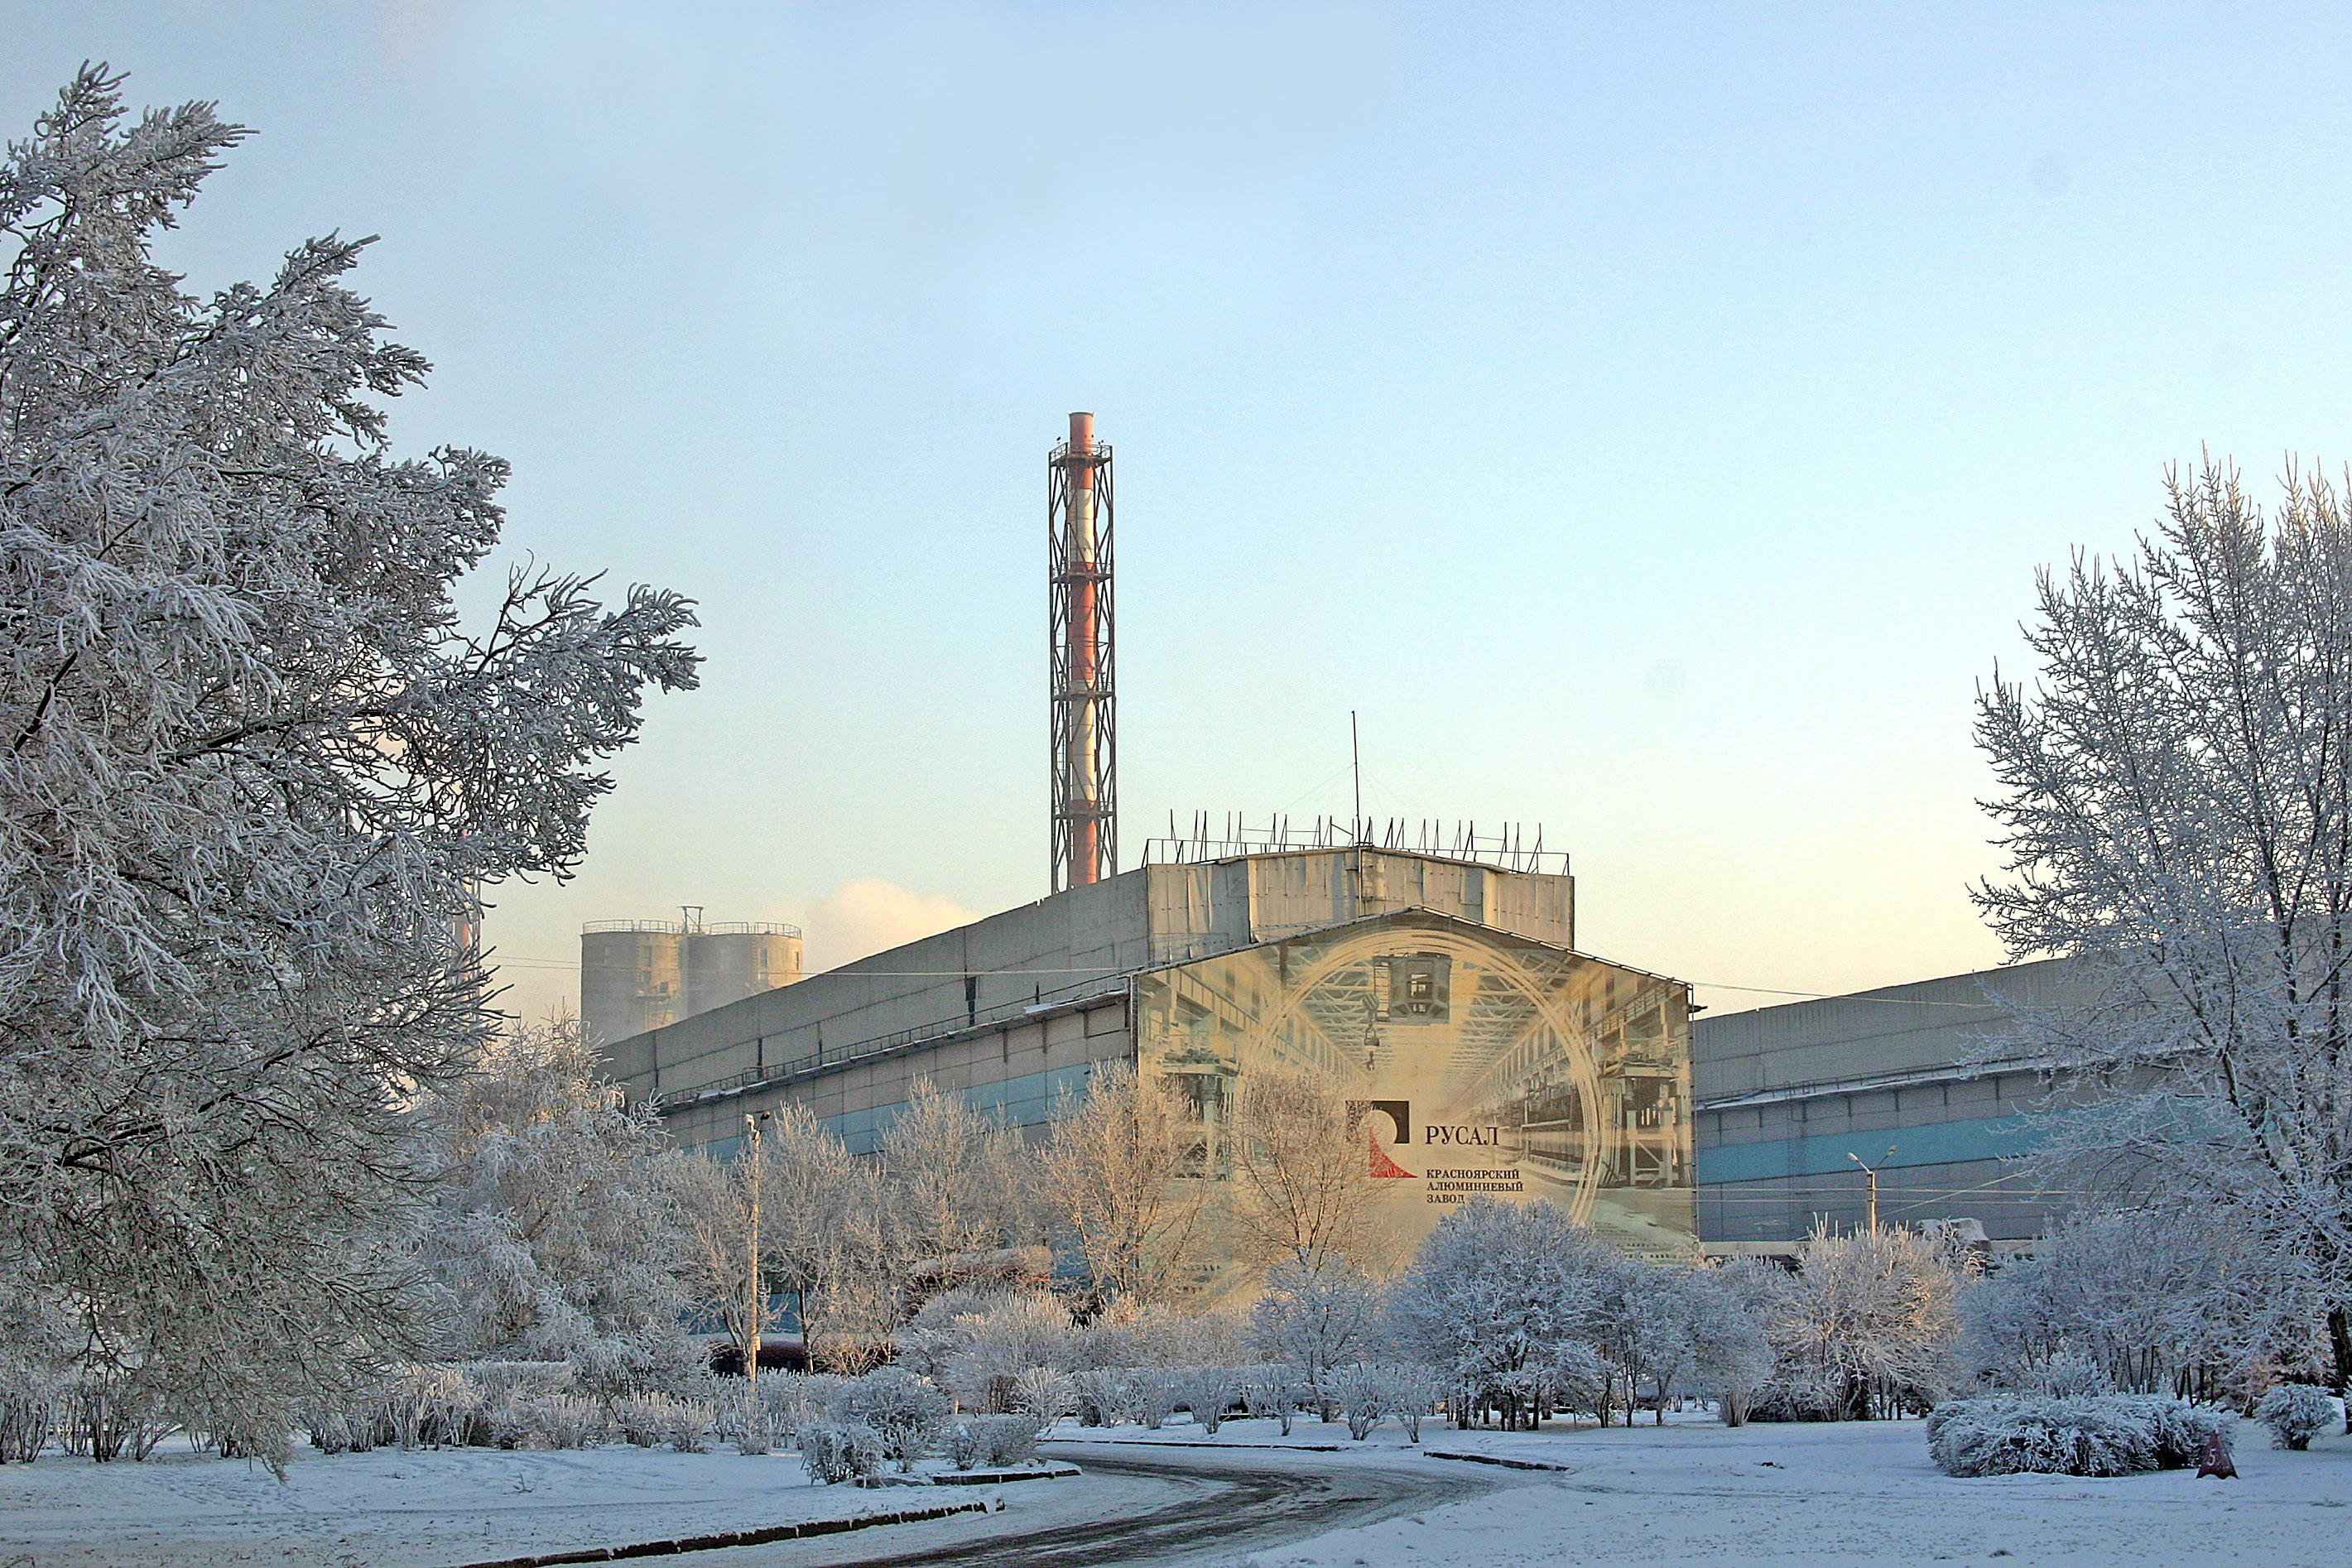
[(1870, 1174), (758, 1302)]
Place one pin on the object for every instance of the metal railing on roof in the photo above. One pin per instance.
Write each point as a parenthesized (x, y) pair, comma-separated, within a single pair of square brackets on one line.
[(681, 928)]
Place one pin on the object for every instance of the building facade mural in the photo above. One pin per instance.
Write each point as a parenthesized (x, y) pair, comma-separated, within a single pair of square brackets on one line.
[(1480, 1062)]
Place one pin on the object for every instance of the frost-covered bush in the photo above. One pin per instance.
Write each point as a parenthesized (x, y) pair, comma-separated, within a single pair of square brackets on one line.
[(27, 1411), (648, 1362), (794, 1399), (749, 1423), (905, 1411), (550, 1421), (643, 1419), (1362, 1395), (983, 1351), (2066, 1375), (1045, 1397), (1151, 1395), (1409, 1393), (109, 1414), (1005, 1439), (1208, 1392), (1277, 1391), (689, 1425), (1103, 1396), (2296, 1413), (960, 1443), (835, 1452), (2113, 1434)]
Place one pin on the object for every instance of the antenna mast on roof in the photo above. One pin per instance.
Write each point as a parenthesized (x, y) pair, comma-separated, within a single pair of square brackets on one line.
[(1085, 735)]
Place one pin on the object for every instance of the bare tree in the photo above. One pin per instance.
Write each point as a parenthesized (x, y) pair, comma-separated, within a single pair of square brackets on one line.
[(2177, 808), (1300, 1170), (1116, 1171)]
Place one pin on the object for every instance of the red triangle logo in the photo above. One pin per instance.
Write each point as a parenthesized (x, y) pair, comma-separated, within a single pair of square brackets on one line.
[(1383, 1166)]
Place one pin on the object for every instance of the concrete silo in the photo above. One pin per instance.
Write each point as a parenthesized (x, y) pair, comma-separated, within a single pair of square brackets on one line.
[(632, 977), (636, 975), (728, 963)]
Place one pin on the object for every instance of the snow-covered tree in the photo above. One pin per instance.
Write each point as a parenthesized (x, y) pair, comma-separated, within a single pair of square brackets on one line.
[(1110, 1175), (1868, 1327), (957, 1185), (251, 768), (2185, 1302), (825, 1236), (549, 1232), (1494, 1293), (2176, 802), (1316, 1319)]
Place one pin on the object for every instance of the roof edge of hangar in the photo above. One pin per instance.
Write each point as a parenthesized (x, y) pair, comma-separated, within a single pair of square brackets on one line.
[(1408, 915)]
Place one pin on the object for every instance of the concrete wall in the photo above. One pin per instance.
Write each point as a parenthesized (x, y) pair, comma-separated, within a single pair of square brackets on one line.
[(1786, 1094), (1015, 1071)]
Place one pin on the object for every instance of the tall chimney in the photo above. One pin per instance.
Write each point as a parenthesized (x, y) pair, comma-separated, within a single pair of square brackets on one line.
[(1084, 742)]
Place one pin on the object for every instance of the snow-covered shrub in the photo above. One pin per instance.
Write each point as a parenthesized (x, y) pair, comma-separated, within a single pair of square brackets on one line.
[(904, 1410), (1316, 1319), (643, 1419), (1277, 1391), (1578, 1377), (1208, 1392), (1151, 1395), (550, 1421), (749, 1423), (2065, 1375), (1045, 1397), (2113, 1435), (1409, 1393), (1005, 1439), (960, 1443), (2296, 1413), (427, 1407), (109, 1414), (1103, 1396), (984, 1352), (644, 1362), (834, 1452), (688, 1430), (27, 1410), (1363, 1395)]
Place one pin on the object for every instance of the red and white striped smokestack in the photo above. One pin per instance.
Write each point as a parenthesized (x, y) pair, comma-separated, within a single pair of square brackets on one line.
[(1079, 520)]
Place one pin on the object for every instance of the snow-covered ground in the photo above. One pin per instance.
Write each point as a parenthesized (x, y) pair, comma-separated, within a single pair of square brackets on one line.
[(428, 1509), (1861, 1493), (1691, 1491)]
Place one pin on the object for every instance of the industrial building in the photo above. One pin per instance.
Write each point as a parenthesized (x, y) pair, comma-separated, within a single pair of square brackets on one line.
[(1443, 992), (1439, 983), (1918, 1082), (1435, 983), (636, 975)]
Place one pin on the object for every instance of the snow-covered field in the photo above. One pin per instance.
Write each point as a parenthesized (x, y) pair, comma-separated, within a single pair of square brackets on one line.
[(1688, 1492), (1857, 1493), (429, 1508)]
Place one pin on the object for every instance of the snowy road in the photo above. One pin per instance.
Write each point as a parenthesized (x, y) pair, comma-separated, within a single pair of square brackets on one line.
[(1162, 1506)]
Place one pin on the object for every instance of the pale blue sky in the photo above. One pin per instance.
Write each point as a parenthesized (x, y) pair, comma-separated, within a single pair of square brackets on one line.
[(1649, 418)]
